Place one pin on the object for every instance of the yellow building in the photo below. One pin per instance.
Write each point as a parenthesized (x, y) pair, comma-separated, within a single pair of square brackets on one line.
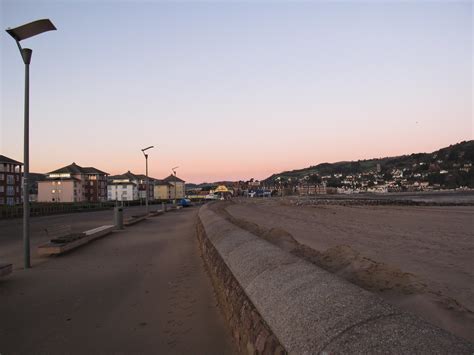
[(162, 190), (170, 188)]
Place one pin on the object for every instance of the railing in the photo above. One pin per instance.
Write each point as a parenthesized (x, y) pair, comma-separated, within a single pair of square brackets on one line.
[(47, 208)]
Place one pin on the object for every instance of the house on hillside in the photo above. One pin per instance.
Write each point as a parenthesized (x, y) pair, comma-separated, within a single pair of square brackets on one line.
[(73, 183), (10, 181)]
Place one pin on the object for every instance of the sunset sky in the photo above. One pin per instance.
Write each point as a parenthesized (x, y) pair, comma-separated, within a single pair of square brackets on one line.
[(234, 90)]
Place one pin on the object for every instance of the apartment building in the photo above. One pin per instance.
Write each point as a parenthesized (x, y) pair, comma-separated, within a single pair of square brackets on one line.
[(142, 187), (162, 190), (73, 183), (10, 181), (177, 188), (124, 187)]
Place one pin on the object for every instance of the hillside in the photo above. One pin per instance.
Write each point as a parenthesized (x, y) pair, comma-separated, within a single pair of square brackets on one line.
[(449, 158)]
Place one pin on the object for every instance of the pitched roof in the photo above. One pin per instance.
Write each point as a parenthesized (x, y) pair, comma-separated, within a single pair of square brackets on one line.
[(159, 182), (173, 178), (7, 160), (76, 169), (92, 170), (128, 176), (69, 169), (143, 177)]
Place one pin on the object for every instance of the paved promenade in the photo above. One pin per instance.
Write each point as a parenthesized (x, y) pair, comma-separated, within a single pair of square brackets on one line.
[(142, 290), (11, 238)]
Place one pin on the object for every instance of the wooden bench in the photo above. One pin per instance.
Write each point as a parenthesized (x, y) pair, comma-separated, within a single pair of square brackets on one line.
[(5, 269)]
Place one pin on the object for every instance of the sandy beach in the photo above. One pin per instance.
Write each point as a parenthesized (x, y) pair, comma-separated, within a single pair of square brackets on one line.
[(419, 258)]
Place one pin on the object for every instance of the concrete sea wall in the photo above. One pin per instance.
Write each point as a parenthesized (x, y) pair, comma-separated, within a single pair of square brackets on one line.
[(276, 302)]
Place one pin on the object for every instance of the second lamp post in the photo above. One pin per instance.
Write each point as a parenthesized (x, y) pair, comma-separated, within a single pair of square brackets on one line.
[(146, 169)]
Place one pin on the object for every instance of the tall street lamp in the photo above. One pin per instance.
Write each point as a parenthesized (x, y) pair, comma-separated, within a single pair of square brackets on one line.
[(175, 182), (20, 33), (146, 168)]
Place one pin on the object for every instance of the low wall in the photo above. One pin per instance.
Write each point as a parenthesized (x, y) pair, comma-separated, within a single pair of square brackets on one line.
[(276, 302)]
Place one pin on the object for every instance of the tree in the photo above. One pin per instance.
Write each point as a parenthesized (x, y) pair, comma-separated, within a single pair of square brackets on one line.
[(314, 179)]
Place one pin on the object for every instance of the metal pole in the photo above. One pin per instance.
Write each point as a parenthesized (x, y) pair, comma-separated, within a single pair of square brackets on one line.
[(26, 53), (146, 196)]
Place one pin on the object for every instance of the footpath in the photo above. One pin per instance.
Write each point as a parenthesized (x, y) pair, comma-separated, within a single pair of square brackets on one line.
[(141, 290)]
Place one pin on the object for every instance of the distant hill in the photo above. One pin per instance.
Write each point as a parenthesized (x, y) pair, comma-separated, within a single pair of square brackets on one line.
[(208, 185), (445, 158)]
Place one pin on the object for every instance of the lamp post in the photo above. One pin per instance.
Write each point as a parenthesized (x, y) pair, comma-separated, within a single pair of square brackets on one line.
[(20, 33), (146, 169), (175, 181)]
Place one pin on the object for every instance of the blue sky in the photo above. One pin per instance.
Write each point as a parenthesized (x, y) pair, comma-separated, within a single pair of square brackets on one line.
[(234, 90)]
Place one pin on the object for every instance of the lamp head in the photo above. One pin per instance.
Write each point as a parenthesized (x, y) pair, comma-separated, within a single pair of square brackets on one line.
[(30, 29), (147, 148)]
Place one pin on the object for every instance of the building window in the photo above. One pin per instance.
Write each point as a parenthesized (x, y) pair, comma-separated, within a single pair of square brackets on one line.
[(2, 177), (10, 180), (2, 189), (10, 201), (10, 191)]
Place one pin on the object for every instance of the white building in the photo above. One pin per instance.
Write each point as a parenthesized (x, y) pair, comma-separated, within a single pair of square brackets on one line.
[(130, 187), (123, 187)]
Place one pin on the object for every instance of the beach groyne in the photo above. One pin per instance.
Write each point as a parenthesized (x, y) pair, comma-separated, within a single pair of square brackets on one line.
[(276, 302)]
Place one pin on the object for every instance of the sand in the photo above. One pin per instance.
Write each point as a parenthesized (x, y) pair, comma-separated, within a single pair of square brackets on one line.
[(418, 258)]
